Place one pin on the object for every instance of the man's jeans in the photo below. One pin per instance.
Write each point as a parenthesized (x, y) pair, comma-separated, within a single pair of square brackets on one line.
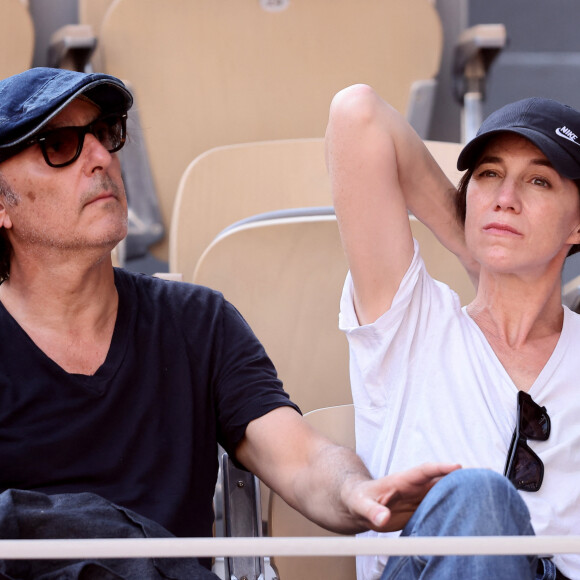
[(470, 502), (33, 515)]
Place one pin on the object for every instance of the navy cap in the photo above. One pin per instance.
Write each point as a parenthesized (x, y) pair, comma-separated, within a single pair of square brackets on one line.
[(552, 127), (29, 100)]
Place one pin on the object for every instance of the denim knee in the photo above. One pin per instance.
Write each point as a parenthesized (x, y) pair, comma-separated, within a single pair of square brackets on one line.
[(467, 502), (472, 502)]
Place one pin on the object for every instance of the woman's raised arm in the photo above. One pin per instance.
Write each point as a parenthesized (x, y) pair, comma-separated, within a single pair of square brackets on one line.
[(379, 169)]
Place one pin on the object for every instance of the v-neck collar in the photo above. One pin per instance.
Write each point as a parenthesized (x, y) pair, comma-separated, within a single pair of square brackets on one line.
[(547, 370)]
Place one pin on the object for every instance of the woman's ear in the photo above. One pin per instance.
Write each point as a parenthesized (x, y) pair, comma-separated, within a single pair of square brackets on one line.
[(574, 237)]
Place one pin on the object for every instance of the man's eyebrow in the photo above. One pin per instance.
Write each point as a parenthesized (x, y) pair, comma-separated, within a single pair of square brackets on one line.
[(52, 124)]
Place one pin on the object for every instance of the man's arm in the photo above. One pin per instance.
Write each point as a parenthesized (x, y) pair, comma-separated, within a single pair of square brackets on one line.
[(327, 483), (379, 168)]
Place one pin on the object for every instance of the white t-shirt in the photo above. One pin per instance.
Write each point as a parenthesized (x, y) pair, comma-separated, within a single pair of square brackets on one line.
[(428, 387)]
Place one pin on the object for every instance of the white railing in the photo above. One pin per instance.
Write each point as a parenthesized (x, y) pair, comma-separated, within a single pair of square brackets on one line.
[(284, 546)]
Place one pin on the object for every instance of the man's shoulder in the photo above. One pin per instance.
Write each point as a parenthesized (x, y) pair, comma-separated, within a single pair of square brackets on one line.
[(152, 298), (150, 285)]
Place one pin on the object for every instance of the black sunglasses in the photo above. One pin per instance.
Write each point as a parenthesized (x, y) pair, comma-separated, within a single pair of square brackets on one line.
[(523, 467), (62, 146)]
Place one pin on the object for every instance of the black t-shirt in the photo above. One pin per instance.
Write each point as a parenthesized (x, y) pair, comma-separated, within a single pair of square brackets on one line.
[(184, 372)]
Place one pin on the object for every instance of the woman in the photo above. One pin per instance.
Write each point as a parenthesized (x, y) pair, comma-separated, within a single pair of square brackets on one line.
[(432, 380)]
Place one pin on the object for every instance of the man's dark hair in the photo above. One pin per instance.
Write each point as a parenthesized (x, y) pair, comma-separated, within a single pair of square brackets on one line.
[(8, 196)]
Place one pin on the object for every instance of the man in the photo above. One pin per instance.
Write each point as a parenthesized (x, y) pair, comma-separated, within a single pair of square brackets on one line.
[(121, 385)]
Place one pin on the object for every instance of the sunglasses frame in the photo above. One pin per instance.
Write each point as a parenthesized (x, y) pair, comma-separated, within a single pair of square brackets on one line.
[(81, 132), (520, 442)]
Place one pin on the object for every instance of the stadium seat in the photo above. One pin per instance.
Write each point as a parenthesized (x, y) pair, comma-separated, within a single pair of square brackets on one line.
[(231, 183), (285, 276), (337, 423), (209, 73), (241, 507), (92, 13), (16, 37)]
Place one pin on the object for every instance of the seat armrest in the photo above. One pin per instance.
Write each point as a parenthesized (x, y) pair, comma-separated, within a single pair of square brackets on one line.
[(475, 51), (72, 47), (242, 517)]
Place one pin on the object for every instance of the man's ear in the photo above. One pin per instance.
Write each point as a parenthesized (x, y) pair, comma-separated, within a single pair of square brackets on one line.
[(5, 221)]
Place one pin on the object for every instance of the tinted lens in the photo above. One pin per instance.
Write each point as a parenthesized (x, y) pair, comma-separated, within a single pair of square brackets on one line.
[(523, 467), (534, 420), (527, 470), (61, 145), (110, 131)]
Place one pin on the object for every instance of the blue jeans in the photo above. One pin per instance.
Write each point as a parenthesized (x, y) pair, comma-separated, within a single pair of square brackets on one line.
[(34, 515), (470, 502)]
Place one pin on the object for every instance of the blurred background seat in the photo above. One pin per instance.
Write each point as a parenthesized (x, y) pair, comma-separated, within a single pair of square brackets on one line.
[(241, 506), (231, 183), (285, 276), (208, 73), (337, 423), (16, 37), (92, 13)]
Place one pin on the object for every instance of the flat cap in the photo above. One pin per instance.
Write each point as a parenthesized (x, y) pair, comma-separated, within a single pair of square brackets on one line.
[(29, 100)]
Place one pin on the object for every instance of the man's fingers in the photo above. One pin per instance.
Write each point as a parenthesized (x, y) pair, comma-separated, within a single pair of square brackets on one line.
[(424, 474), (432, 470), (372, 511), (387, 503)]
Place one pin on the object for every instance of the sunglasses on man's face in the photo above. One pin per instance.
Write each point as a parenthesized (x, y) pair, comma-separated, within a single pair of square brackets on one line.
[(62, 146), (523, 467)]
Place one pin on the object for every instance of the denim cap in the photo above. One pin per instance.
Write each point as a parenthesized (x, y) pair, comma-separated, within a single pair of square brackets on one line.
[(29, 100), (552, 127)]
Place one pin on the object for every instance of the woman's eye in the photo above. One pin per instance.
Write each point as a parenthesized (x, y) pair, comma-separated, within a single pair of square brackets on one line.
[(540, 181), (487, 173)]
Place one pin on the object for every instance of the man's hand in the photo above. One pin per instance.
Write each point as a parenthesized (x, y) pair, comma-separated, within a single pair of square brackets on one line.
[(327, 483), (388, 503)]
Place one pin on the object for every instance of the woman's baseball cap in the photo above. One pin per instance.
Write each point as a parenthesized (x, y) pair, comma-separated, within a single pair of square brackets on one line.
[(29, 100), (552, 127)]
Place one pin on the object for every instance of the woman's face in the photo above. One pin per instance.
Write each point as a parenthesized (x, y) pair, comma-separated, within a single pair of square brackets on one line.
[(521, 214)]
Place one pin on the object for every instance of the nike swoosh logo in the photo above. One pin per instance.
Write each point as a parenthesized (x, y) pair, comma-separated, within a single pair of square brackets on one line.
[(560, 134)]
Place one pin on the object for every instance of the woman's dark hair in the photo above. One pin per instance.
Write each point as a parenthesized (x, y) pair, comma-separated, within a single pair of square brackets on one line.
[(461, 195)]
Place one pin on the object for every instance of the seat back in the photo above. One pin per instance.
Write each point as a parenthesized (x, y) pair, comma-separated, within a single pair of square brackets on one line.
[(209, 73), (337, 423), (285, 276), (441, 263), (230, 183), (16, 37), (92, 12)]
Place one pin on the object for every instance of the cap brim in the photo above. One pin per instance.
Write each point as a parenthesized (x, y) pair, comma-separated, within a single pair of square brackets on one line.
[(560, 159)]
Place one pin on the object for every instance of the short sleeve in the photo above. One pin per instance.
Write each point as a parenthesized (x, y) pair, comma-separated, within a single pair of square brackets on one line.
[(246, 385)]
